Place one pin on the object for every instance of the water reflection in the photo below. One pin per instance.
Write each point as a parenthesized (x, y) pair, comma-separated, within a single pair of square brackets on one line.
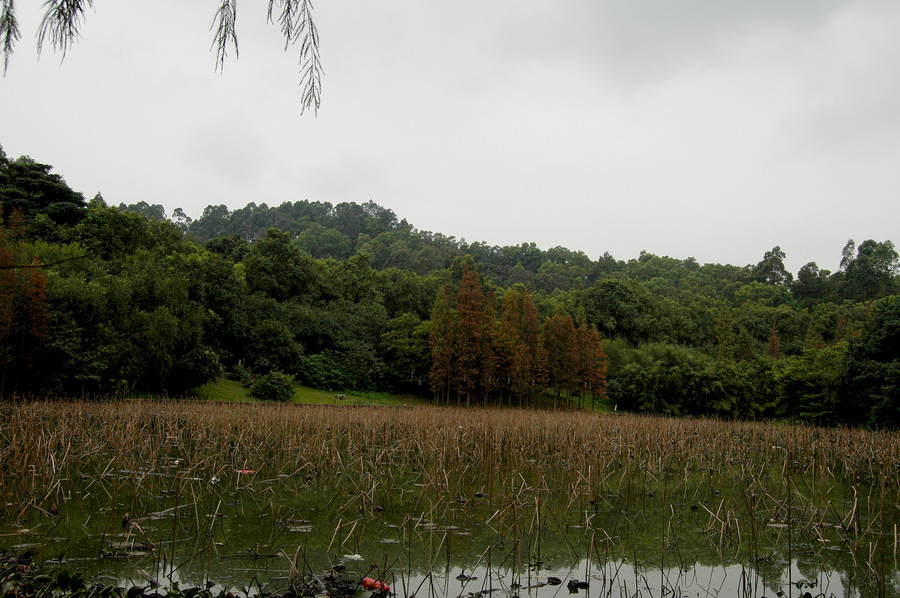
[(249, 544), (582, 579)]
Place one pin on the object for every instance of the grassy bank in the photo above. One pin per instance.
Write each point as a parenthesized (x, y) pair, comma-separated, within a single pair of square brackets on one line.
[(232, 391)]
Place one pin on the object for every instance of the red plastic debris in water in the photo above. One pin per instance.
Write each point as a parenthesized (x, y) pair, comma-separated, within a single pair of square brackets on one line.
[(244, 471), (374, 584)]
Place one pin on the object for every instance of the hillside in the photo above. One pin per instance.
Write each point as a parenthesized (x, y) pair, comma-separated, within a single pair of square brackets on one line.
[(102, 300)]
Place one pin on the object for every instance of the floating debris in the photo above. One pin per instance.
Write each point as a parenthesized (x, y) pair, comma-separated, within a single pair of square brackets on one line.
[(375, 585)]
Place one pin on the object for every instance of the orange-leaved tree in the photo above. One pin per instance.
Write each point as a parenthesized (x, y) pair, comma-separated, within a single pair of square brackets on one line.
[(469, 334), (24, 317), (591, 362), (561, 344)]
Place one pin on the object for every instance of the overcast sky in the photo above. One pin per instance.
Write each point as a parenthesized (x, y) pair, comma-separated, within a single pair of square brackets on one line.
[(710, 129)]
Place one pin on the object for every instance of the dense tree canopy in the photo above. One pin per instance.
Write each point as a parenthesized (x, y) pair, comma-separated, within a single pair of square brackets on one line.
[(105, 300), (30, 188), (871, 390)]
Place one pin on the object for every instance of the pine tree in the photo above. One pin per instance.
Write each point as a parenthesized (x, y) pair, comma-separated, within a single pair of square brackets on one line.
[(507, 338), (562, 356), (442, 343), (521, 355), (489, 335), (592, 361), (469, 333), (531, 325)]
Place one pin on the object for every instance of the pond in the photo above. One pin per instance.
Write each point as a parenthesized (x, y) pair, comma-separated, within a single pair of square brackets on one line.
[(447, 503)]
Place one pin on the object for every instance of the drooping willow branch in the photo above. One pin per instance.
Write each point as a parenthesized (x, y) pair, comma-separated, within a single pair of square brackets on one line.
[(62, 21), (225, 31), (296, 23), (9, 30)]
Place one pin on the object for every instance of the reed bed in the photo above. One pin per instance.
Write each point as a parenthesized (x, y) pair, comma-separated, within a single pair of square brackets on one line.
[(658, 493)]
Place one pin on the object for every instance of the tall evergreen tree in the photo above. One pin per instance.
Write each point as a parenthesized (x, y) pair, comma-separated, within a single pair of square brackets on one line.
[(562, 358), (469, 334), (591, 362), (442, 340), (489, 340)]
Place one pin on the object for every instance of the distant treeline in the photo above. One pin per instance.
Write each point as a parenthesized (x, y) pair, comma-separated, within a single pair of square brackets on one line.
[(103, 300)]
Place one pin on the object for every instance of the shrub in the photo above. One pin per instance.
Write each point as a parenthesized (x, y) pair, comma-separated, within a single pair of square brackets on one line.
[(242, 374), (274, 386)]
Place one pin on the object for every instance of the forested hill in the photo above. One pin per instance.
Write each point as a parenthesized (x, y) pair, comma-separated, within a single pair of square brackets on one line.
[(103, 300), (338, 232)]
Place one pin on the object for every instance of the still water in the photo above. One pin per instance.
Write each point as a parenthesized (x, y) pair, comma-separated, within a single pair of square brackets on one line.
[(528, 535)]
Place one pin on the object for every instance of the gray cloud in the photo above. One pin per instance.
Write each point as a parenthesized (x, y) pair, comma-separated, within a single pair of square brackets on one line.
[(689, 128), (225, 146)]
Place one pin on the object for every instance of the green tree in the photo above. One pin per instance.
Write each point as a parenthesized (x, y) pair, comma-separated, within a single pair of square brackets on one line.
[(404, 291), (113, 235), (30, 188), (442, 341), (812, 285), (725, 334), (664, 378), (231, 247), (870, 388), (615, 306), (150, 212), (322, 242), (808, 384), (871, 274), (405, 348), (218, 286), (771, 269), (276, 266)]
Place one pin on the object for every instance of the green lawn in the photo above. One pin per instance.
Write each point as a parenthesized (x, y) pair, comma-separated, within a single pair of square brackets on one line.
[(224, 389)]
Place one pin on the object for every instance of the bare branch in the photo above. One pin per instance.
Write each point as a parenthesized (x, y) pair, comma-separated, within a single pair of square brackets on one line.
[(61, 21), (225, 31), (36, 265), (9, 31)]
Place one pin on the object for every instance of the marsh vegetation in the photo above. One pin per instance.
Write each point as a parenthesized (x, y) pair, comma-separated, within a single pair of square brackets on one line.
[(447, 502)]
